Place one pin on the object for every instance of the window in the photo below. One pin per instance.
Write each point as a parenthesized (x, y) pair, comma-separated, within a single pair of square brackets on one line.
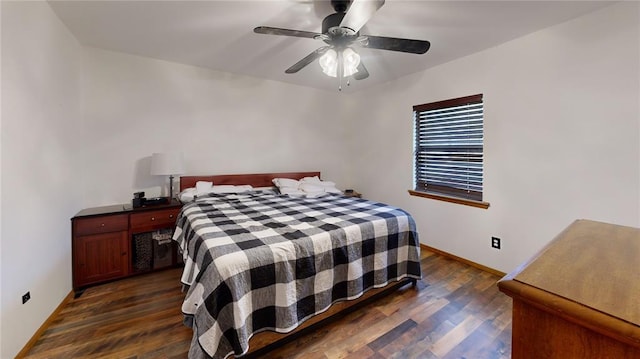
[(448, 149)]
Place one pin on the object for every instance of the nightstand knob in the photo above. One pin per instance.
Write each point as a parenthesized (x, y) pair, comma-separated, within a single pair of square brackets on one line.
[(101, 224), (171, 216), (153, 218)]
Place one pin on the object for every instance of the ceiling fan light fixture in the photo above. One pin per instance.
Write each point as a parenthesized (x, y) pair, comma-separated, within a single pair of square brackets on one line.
[(329, 63), (350, 60), (341, 31)]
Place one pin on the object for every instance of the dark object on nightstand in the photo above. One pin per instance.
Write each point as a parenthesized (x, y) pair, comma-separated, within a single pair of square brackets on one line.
[(138, 200), (352, 193), (156, 201)]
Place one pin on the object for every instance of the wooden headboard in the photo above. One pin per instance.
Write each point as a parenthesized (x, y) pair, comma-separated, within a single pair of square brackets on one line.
[(256, 180)]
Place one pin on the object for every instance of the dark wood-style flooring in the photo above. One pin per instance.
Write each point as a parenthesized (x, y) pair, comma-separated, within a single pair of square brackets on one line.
[(456, 311)]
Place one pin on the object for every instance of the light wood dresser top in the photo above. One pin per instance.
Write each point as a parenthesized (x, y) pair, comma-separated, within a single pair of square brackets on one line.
[(593, 264)]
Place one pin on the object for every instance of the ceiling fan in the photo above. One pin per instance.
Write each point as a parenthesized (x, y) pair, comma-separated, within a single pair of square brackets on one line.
[(340, 32)]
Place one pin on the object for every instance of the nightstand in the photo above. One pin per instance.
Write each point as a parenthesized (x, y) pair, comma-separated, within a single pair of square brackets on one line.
[(106, 242)]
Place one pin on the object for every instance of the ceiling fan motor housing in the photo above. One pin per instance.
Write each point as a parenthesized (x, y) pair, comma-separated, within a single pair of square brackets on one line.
[(340, 5), (332, 20)]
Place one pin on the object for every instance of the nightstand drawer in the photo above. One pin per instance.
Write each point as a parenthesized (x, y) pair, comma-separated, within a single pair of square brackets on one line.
[(102, 224), (154, 218)]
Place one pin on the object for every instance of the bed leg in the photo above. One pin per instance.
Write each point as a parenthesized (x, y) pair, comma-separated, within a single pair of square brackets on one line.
[(414, 282)]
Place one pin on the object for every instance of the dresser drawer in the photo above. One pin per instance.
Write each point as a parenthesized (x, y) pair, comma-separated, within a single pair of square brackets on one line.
[(102, 224), (166, 217)]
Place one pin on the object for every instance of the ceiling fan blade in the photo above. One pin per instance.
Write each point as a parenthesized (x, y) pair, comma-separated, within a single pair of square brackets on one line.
[(307, 60), (362, 72), (284, 32), (396, 44), (359, 13)]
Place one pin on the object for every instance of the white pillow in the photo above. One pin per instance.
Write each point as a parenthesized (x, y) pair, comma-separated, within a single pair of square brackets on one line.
[(317, 181), (291, 191), (187, 195), (286, 182), (314, 179), (307, 186), (229, 188), (310, 188), (203, 187)]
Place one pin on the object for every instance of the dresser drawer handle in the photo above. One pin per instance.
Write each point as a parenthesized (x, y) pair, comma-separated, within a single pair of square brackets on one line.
[(153, 218), (101, 224), (171, 216)]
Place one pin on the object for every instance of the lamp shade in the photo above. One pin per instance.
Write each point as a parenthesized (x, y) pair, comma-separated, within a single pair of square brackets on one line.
[(167, 164)]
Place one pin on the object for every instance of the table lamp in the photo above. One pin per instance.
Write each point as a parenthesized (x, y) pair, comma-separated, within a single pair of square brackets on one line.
[(167, 164)]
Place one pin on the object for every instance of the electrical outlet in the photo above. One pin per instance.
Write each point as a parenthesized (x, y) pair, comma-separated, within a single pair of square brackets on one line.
[(495, 242), (26, 297)]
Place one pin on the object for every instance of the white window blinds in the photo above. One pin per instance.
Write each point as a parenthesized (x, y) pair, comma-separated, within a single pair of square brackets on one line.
[(449, 147)]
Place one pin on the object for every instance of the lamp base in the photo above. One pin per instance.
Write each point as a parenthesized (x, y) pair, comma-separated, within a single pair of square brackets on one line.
[(170, 188)]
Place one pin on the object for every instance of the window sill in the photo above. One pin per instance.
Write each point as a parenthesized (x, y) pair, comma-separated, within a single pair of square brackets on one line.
[(457, 200)]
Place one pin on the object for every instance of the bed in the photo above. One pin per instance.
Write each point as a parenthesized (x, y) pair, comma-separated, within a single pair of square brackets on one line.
[(259, 264)]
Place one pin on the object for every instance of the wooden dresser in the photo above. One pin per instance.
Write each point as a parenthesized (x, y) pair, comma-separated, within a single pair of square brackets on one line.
[(580, 296), (106, 242)]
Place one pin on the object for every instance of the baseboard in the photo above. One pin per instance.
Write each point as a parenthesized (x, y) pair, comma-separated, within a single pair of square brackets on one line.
[(465, 261), (27, 347)]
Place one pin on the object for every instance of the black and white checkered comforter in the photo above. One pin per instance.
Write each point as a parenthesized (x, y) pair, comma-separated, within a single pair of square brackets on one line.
[(263, 261)]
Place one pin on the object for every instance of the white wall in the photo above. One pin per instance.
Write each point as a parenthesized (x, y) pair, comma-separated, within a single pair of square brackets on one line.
[(562, 137), (581, 76), (223, 123), (78, 128), (39, 140)]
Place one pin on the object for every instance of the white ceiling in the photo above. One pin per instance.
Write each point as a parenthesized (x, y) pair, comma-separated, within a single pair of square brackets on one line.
[(219, 34)]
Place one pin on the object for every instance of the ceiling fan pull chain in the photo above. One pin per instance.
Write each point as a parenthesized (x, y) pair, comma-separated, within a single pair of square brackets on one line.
[(340, 70)]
